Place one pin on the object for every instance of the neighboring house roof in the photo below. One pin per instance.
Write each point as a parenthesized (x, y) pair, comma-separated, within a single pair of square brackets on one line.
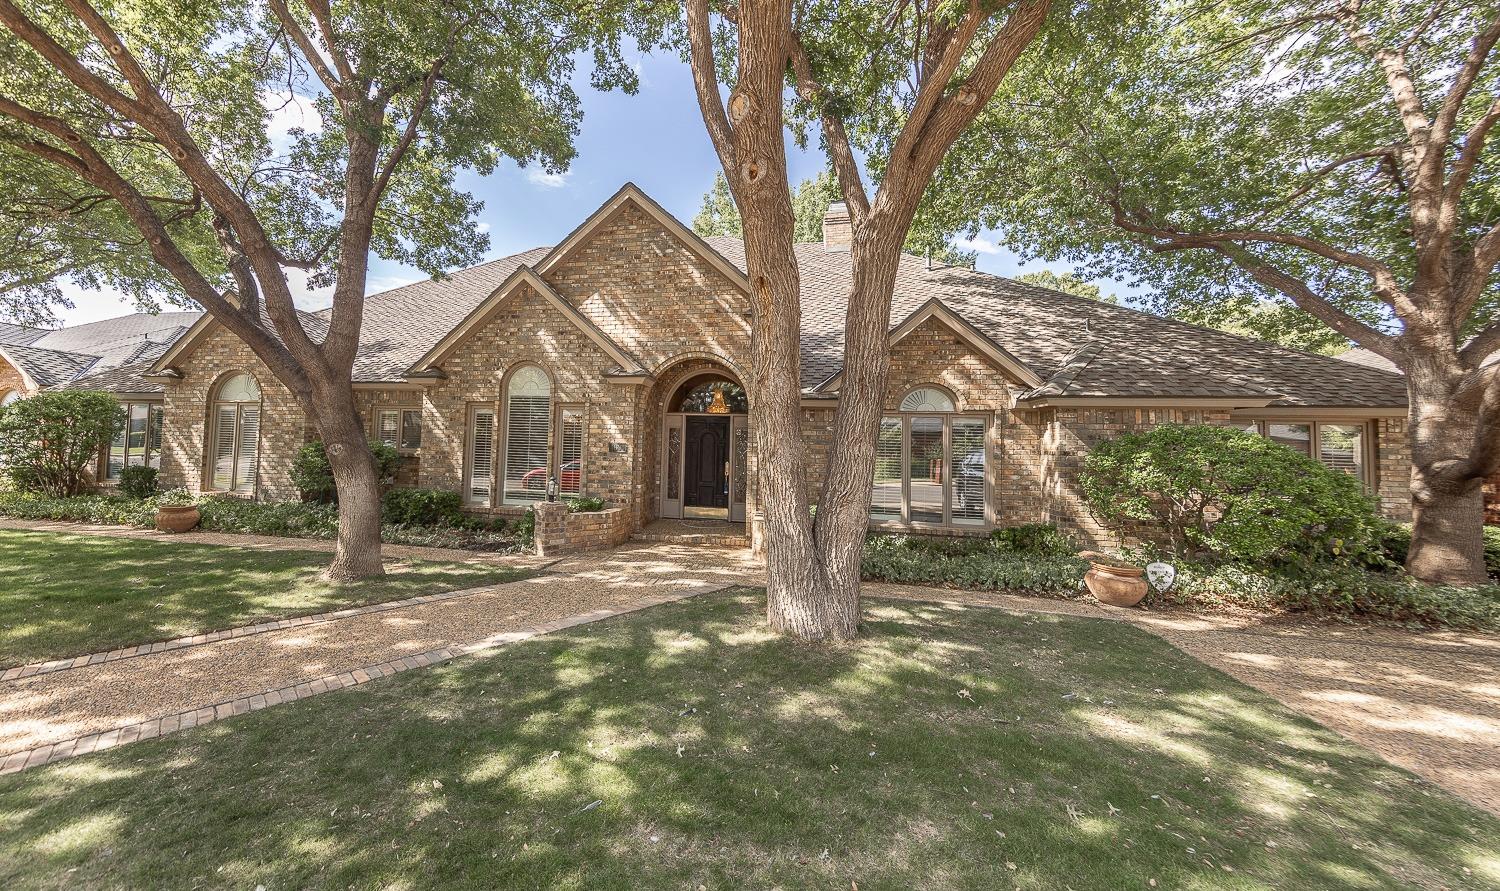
[(79, 356)]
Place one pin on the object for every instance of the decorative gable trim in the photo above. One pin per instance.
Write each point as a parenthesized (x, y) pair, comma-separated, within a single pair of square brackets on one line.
[(631, 193), (425, 367), (935, 309)]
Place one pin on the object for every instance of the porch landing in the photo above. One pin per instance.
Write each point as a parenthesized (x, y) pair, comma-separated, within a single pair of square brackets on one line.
[(708, 533)]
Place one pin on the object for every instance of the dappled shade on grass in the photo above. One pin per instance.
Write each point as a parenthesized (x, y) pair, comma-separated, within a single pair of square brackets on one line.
[(685, 746), (67, 595)]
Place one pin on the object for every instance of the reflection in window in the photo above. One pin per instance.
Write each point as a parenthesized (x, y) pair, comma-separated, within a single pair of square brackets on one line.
[(1297, 437), (926, 449), (713, 394), (528, 434), (570, 450), (138, 444), (1342, 447), (930, 469)]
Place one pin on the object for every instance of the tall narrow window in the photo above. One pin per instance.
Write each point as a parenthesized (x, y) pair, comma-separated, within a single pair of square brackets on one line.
[(967, 474), (927, 469), (387, 426), (886, 499), (411, 428), (528, 434), (570, 450), (481, 456), (236, 442), (1342, 447), (139, 441)]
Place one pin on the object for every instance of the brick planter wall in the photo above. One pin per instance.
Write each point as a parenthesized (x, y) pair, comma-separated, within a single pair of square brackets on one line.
[(559, 532)]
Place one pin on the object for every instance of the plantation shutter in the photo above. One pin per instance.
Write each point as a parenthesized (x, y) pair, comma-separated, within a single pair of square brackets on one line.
[(224, 446), (968, 470), (387, 425), (248, 460), (570, 451), (885, 498), (481, 455), (528, 428)]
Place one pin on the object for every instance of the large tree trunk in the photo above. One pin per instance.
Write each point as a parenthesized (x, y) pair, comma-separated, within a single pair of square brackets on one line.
[(844, 508), (357, 552), (1447, 543)]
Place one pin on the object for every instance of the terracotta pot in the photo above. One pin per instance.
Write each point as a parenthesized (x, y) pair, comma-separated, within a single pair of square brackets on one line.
[(1116, 585), (177, 518)]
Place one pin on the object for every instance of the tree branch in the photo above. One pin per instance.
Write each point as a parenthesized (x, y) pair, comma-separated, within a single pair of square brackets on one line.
[(840, 153), (706, 83), (308, 49), (414, 119)]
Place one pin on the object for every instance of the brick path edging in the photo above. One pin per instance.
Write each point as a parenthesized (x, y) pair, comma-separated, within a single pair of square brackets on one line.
[(108, 739), (18, 672)]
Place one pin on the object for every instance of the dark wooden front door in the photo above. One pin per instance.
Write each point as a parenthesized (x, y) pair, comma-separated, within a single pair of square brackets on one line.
[(706, 462)]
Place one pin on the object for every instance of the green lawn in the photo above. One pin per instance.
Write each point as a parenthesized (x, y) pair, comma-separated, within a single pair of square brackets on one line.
[(684, 747), (66, 595)]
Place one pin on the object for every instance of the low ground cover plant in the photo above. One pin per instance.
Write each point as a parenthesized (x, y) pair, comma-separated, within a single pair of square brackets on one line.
[(1034, 562)]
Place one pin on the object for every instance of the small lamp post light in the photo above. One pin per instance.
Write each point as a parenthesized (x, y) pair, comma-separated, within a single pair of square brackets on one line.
[(552, 488)]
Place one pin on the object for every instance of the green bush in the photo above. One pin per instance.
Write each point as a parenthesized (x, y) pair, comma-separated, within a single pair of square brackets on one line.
[(584, 505), (969, 563), (314, 478), (101, 510), (49, 441), (289, 519), (1219, 491), (138, 481), (1336, 590), (1492, 551), (422, 507), (1040, 539), (1395, 543)]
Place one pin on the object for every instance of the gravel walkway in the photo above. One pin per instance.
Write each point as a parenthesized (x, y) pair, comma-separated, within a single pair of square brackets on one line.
[(45, 710), (1428, 702)]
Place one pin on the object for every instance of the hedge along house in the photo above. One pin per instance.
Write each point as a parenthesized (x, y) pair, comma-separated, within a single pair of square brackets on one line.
[(613, 365)]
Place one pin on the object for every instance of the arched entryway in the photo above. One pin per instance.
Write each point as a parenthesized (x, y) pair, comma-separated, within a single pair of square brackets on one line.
[(705, 439)]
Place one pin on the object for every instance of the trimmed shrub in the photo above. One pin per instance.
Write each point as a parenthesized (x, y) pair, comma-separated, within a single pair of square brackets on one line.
[(1334, 590), (1492, 551), (584, 505), (289, 519), (101, 510), (314, 478), (50, 440), (422, 507), (969, 563), (1220, 491), (138, 481), (1041, 539)]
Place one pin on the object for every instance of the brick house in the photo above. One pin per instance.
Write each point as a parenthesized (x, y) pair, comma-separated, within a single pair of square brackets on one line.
[(612, 363)]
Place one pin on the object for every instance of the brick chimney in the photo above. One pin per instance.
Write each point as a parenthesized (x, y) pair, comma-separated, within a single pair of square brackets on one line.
[(838, 232)]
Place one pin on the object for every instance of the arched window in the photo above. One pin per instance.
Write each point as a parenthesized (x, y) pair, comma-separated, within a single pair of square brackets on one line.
[(711, 394), (930, 463), (528, 435), (10, 396), (236, 442), (927, 399)]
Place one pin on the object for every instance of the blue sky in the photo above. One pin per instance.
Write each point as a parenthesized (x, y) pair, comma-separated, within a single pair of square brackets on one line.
[(654, 138)]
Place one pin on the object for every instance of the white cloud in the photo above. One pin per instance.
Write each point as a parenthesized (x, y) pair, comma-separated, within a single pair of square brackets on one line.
[(979, 243), (289, 110), (539, 177)]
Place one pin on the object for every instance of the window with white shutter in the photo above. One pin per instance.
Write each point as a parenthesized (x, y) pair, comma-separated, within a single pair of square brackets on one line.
[(236, 439), (387, 426), (930, 464), (570, 449), (528, 435), (481, 456)]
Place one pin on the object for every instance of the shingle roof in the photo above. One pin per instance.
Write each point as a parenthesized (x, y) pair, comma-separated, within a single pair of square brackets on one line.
[(64, 357), (1369, 359), (121, 379), (402, 324), (47, 367), (1137, 354)]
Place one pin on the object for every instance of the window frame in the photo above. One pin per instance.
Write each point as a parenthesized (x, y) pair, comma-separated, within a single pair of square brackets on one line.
[(986, 420), (559, 409), (503, 462), (1368, 455), (155, 415), (211, 437), (401, 412)]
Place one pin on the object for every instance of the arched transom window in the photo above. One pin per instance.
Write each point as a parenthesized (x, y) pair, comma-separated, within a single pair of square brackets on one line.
[(528, 432), (930, 465), (9, 396), (927, 399), (236, 442)]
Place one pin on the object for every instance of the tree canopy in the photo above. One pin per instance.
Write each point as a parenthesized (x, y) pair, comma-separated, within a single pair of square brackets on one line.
[(1068, 283)]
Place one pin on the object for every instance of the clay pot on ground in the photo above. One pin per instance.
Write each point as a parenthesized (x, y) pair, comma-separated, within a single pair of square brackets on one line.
[(1113, 584), (177, 518)]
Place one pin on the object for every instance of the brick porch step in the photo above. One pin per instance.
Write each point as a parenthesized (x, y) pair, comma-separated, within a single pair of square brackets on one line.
[(705, 533)]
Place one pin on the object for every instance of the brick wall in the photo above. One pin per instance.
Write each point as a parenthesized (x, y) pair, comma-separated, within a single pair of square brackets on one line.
[(559, 532), (1393, 468), (11, 379), (186, 407)]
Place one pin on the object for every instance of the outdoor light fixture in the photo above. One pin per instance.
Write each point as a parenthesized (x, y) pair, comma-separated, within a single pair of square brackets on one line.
[(551, 488)]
